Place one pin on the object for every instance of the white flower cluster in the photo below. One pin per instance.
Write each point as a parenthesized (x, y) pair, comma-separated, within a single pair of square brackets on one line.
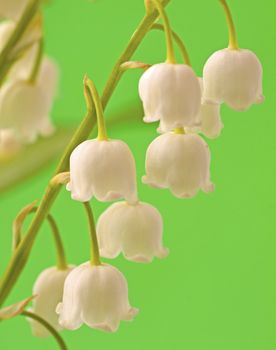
[(26, 99), (178, 160)]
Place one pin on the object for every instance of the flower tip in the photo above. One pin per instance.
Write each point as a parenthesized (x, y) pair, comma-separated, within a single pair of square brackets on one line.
[(132, 312)]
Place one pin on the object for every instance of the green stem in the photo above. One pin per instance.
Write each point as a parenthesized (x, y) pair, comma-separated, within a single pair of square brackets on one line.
[(37, 63), (20, 257), (17, 235), (102, 133), (178, 41), (47, 325), (23, 23), (233, 40), (95, 254), (170, 50)]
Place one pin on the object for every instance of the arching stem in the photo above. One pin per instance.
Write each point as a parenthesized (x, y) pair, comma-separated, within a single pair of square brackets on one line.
[(169, 41), (233, 40), (92, 90), (178, 41), (95, 254), (51, 329), (17, 233), (37, 63)]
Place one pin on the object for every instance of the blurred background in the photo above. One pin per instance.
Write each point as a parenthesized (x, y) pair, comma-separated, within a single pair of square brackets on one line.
[(216, 290)]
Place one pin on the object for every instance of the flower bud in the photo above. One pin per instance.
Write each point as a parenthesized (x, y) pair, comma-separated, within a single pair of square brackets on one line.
[(136, 230), (171, 94), (9, 143), (96, 296), (48, 290), (233, 77), (179, 162), (104, 169)]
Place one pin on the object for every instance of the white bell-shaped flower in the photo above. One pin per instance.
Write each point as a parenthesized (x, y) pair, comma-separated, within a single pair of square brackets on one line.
[(96, 296), (48, 290), (180, 162), (104, 169), (233, 77), (12, 9), (136, 230), (25, 107), (171, 94)]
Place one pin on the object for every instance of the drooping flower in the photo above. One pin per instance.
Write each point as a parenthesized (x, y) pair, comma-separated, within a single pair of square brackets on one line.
[(134, 229), (96, 296), (171, 94), (104, 169), (25, 108), (233, 77), (48, 290), (180, 162)]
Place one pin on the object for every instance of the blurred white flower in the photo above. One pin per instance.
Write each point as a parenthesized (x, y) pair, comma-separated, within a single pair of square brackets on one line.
[(48, 290), (12, 9), (180, 162), (171, 94), (104, 169), (25, 107), (9, 143), (233, 77), (136, 230), (28, 41), (96, 296)]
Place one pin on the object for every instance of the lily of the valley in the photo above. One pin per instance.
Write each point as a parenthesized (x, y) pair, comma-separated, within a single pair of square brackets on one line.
[(170, 93), (48, 291), (179, 162), (25, 105), (233, 75), (97, 296), (104, 169), (136, 230)]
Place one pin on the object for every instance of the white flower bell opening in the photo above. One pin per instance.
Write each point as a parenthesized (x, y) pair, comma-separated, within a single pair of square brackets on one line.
[(179, 162), (104, 169), (233, 77), (171, 94), (48, 290), (96, 296), (136, 230)]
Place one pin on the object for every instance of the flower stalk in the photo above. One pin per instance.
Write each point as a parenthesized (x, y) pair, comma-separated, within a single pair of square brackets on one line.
[(169, 39), (178, 41), (233, 40), (95, 97), (95, 254), (51, 329)]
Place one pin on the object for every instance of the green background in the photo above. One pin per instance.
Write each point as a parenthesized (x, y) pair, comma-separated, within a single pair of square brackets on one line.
[(216, 290)]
